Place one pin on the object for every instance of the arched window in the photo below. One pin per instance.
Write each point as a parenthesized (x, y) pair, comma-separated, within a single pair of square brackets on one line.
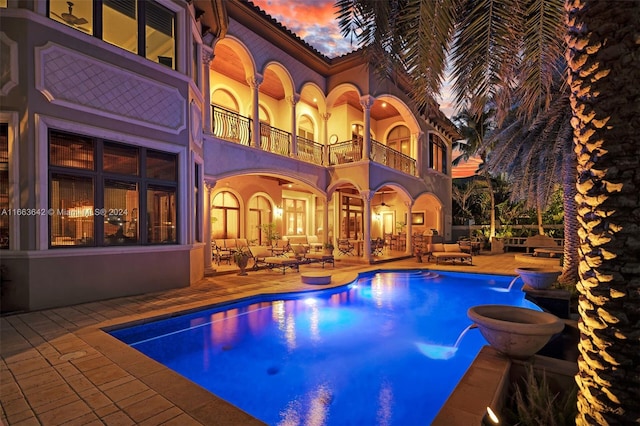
[(225, 216), (305, 128), (399, 139), (260, 213)]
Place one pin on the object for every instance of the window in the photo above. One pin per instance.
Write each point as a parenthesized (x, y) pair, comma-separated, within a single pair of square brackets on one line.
[(438, 151), (225, 216), (259, 214), (351, 216), (305, 128), (295, 213), (143, 27), (398, 139), (4, 185), (104, 193)]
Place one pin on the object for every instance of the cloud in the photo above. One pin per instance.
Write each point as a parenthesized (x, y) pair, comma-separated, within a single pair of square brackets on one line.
[(314, 21)]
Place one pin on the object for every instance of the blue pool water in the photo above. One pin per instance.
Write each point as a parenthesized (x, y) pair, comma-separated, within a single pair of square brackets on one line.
[(385, 350)]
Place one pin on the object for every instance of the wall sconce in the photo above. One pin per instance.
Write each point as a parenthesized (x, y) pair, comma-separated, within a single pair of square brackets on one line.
[(277, 211), (377, 216)]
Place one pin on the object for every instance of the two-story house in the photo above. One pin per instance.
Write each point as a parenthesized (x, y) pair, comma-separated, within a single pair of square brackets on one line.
[(133, 133)]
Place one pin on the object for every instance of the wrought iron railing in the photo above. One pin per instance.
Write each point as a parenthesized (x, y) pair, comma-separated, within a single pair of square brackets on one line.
[(345, 152), (309, 150), (231, 126), (382, 154), (275, 140)]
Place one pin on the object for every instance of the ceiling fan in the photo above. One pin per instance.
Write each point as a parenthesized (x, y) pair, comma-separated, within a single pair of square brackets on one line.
[(72, 19), (382, 203)]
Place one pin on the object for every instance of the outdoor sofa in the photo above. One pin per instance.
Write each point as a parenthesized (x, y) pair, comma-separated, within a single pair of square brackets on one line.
[(449, 252)]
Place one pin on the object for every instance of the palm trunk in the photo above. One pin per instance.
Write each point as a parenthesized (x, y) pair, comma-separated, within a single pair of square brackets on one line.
[(569, 191), (539, 214), (492, 214), (603, 51)]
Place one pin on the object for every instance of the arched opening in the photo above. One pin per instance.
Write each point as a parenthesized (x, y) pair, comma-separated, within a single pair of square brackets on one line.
[(225, 216), (399, 138), (260, 214)]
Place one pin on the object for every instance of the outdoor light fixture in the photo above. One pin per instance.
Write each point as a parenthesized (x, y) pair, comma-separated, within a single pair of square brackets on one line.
[(277, 211), (490, 418)]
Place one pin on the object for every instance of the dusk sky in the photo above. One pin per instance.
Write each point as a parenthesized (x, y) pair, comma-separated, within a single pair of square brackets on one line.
[(314, 21)]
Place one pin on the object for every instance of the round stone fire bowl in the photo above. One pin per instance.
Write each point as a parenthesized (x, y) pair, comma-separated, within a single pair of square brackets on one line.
[(538, 278), (514, 331)]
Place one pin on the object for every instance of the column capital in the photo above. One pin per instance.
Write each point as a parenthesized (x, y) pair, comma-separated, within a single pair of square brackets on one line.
[(209, 184), (294, 99), (367, 101), (207, 54), (367, 195), (255, 80), (326, 116)]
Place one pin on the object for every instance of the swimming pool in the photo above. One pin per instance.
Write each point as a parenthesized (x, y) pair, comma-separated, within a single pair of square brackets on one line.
[(385, 350)]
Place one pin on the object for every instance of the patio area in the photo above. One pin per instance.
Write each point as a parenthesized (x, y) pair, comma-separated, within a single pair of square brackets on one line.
[(58, 366)]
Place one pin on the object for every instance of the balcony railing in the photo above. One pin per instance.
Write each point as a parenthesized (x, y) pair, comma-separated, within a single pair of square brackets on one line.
[(345, 152), (231, 126), (275, 140), (309, 150), (382, 154)]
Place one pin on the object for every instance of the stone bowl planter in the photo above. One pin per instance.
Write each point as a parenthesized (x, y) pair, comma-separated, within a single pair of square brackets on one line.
[(538, 278), (516, 332)]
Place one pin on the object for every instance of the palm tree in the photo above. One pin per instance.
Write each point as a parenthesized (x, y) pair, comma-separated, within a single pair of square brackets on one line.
[(473, 128), (538, 155), (489, 41)]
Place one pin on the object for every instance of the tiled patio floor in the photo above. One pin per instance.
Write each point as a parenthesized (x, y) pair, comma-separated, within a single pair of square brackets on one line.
[(59, 368)]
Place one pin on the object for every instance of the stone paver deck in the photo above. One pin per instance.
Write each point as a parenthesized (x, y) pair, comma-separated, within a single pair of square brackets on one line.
[(58, 366)]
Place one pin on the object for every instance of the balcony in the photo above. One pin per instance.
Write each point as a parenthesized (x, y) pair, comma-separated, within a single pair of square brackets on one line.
[(233, 127)]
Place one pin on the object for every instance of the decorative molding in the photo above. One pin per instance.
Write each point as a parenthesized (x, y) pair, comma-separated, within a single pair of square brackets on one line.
[(84, 83), (196, 123), (8, 64)]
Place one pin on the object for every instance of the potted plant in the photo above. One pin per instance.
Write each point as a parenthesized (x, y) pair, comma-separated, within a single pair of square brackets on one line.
[(328, 247), (241, 257), (270, 232)]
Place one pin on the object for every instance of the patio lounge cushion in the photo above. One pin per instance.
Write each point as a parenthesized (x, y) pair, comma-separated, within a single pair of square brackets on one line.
[(282, 262), (436, 247), (449, 248), (452, 255), (321, 258)]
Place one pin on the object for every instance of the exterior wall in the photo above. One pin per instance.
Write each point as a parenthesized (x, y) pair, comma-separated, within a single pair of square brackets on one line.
[(70, 81), (61, 278), (73, 82)]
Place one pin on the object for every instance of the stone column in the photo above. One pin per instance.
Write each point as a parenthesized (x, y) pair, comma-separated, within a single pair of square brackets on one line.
[(325, 151), (255, 82), (367, 196), (293, 101), (367, 102), (409, 206), (207, 56)]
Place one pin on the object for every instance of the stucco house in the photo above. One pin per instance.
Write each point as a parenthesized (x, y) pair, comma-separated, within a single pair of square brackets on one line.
[(135, 133)]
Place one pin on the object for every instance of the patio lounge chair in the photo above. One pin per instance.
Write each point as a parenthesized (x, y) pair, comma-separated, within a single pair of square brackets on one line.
[(282, 262)]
